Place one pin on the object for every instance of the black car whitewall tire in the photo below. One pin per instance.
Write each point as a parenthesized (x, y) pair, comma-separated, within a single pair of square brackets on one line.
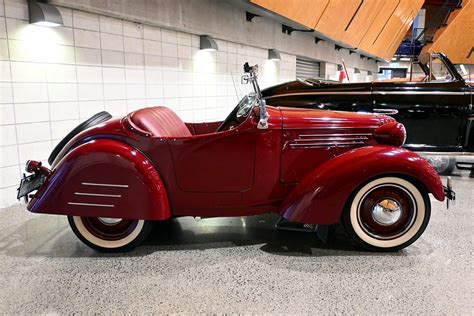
[(110, 235), (387, 214)]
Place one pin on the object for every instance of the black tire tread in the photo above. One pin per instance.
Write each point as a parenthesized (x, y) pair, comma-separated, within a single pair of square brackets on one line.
[(147, 229)]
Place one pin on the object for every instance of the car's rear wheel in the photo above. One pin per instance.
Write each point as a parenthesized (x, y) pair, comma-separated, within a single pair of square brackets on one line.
[(110, 234), (387, 214)]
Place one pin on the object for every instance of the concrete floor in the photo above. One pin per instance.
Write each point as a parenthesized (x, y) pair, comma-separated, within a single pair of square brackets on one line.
[(237, 265)]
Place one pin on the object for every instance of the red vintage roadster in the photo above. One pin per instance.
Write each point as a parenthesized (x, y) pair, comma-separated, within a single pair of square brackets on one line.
[(114, 177)]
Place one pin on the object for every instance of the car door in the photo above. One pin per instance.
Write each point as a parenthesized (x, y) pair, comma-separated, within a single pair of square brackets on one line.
[(434, 113), (218, 162), (234, 172)]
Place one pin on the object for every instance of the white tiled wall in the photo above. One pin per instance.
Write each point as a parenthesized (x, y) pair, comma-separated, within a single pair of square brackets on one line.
[(53, 78)]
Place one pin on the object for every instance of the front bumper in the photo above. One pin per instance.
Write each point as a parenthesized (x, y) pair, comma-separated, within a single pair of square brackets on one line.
[(449, 192)]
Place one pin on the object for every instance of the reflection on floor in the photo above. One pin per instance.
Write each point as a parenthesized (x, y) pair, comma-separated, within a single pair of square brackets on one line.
[(227, 265)]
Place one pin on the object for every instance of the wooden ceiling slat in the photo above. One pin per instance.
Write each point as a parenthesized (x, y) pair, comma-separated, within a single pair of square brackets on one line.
[(363, 20), (374, 26), (393, 32), (397, 39), (457, 38), (336, 17), (378, 25)]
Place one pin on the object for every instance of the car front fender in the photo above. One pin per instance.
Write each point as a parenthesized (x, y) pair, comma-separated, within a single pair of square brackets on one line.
[(103, 178), (321, 196)]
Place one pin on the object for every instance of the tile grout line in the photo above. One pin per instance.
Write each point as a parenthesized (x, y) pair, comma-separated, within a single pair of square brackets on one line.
[(162, 73), (101, 64), (13, 95), (49, 105), (75, 67), (124, 67)]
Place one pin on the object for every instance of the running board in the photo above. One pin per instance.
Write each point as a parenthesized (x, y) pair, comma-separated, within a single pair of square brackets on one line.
[(320, 230)]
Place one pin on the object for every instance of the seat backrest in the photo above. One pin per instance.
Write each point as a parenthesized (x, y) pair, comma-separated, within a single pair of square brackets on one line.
[(159, 121)]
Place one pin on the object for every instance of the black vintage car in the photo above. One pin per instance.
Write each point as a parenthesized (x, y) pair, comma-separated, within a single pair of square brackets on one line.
[(436, 109)]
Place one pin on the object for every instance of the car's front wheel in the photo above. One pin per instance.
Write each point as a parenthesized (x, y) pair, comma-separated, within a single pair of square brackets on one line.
[(387, 214), (110, 234)]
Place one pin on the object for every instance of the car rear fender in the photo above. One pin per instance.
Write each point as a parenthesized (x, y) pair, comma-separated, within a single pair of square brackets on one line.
[(323, 193), (103, 178)]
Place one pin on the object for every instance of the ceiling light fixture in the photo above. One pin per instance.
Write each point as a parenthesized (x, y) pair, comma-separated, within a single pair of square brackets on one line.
[(208, 43), (44, 14), (273, 54)]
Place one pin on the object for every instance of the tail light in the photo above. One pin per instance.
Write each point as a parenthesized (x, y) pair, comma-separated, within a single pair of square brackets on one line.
[(392, 133), (33, 166)]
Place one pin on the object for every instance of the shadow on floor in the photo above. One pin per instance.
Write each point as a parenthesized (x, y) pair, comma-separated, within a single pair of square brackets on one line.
[(50, 236)]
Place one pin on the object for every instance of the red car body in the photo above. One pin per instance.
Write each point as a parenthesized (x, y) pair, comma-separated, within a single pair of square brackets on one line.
[(242, 171), (306, 165)]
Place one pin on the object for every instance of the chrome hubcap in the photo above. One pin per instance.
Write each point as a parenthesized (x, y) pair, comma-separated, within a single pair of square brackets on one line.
[(386, 212), (109, 221)]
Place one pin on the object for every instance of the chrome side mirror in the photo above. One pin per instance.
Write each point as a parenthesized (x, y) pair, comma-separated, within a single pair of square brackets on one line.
[(250, 76)]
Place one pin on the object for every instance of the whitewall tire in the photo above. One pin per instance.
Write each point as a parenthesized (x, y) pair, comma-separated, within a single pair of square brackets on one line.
[(110, 234), (387, 214)]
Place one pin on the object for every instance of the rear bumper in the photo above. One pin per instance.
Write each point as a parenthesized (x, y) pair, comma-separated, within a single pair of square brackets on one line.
[(34, 181)]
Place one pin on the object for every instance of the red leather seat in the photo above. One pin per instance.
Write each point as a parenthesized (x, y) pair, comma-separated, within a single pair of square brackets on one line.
[(159, 121)]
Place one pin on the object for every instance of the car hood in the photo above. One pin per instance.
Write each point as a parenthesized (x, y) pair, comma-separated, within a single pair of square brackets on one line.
[(301, 118)]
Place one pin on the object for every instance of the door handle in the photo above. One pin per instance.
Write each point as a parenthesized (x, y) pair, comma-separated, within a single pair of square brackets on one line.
[(386, 111)]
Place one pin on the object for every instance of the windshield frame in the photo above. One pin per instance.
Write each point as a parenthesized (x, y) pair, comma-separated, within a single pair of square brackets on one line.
[(427, 67)]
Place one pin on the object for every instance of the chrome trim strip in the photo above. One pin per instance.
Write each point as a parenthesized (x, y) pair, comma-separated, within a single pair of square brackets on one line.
[(386, 111), (329, 139), (334, 127), (366, 93), (326, 144), (420, 92), (334, 135), (445, 153), (105, 185), (97, 194), (319, 93), (90, 204)]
